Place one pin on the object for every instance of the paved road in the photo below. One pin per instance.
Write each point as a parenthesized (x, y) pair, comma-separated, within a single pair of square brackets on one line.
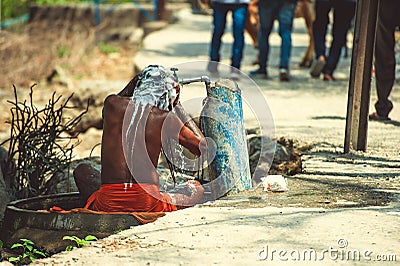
[(306, 109)]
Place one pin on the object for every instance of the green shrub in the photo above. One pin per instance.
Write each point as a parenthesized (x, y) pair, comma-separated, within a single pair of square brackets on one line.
[(29, 252)]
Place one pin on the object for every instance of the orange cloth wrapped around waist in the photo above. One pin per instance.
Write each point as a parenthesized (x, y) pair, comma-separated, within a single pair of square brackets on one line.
[(130, 198)]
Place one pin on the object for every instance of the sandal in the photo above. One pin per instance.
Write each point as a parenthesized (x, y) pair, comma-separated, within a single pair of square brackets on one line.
[(328, 77), (376, 117), (317, 67)]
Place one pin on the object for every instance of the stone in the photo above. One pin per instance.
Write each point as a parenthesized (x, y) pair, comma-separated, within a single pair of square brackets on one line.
[(4, 196), (93, 118), (64, 182)]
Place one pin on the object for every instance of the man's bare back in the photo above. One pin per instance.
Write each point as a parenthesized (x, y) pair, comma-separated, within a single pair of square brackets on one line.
[(136, 123), (160, 124)]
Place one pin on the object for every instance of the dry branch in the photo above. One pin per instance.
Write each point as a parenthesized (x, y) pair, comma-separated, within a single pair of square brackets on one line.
[(38, 144)]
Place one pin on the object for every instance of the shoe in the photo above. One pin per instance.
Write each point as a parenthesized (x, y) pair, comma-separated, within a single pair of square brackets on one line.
[(212, 68), (376, 117), (259, 73), (284, 74), (317, 67), (214, 74), (234, 76), (328, 77)]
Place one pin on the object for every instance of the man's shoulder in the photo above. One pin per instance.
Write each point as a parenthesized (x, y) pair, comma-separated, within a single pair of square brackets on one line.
[(113, 99), (115, 102)]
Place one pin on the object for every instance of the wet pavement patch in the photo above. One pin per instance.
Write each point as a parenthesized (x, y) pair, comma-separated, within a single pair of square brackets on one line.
[(324, 177), (312, 192)]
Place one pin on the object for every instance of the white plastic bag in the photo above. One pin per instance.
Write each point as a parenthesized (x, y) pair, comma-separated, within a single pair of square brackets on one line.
[(274, 183)]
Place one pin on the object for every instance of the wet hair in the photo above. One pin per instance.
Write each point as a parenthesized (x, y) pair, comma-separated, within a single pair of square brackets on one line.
[(157, 86)]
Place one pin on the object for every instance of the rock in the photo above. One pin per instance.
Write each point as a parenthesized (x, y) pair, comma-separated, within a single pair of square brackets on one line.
[(93, 118), (89, 120), (280, 156), (258, 155), (287, 161), (63, 182), (4, 196)]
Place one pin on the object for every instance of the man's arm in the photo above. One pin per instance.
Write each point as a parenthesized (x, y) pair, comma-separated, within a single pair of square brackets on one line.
[(174, 128), (187, 120)]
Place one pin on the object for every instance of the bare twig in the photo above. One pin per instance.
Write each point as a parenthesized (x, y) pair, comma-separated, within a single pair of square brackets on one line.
[(37, 144)]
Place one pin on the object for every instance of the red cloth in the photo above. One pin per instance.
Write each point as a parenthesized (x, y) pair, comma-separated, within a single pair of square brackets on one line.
[(130, 198)]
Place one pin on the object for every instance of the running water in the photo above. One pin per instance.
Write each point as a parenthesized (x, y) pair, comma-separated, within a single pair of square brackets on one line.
[(156, 87)]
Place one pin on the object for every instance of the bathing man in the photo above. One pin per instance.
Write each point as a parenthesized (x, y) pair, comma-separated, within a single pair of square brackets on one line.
[(136, 123)]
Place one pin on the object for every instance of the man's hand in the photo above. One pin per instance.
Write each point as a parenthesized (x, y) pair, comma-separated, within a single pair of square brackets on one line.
[(205, 1)]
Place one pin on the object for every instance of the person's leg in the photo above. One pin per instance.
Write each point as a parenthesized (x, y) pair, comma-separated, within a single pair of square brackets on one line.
[(239, 15), (285, 19), (267, 12), (322, 9), (384, 55), (87, 180), (343, 13), (320, 25), (219, 22)]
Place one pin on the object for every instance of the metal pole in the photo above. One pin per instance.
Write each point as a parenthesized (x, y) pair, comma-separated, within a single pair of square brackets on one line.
[(360, 75)]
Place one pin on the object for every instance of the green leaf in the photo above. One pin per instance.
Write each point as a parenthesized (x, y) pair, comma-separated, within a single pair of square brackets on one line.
[(90, 238), (85, 243), (69, 248), (39, 253), (14, 259), (16, 245), (27, 241), (72, 238)]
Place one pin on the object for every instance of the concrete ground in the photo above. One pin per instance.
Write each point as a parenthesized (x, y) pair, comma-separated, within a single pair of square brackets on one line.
[(306, 109)]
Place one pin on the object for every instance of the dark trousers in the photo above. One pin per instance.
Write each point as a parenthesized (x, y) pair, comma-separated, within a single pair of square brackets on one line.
[(283, 11), (239, 15), (385, 62), (343, 13)]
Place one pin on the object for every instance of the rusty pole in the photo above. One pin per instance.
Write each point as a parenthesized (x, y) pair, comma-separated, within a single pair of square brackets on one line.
[(360, 75)]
